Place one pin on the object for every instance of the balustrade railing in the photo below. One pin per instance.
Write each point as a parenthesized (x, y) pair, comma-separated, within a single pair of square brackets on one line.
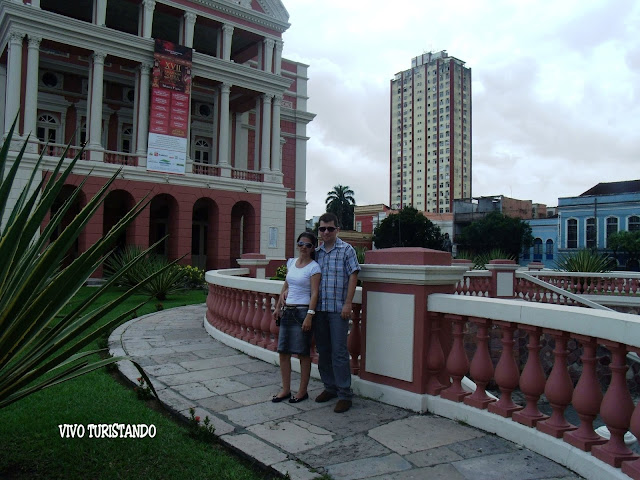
[(57, 150), (120, 158), (474, 283), (243, 308), (604, 339)]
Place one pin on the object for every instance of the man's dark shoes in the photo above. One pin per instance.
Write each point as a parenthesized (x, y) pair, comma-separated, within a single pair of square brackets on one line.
[(325, 396), (342, 406)]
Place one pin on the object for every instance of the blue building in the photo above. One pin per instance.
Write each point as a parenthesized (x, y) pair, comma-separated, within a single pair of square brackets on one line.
[(586, 221)]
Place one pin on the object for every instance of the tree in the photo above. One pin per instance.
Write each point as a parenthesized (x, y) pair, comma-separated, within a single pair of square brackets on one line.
[(407, 228), (41, 342), (341, 202), (627, 243), (496, 230)]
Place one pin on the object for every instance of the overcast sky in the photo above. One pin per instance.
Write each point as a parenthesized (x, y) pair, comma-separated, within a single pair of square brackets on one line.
[(555, 90)]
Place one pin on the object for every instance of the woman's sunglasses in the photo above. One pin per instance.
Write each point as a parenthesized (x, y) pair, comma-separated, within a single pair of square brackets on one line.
[(305, 244)]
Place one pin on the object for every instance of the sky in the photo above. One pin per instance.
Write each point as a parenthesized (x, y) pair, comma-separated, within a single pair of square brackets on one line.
[(555, 90)]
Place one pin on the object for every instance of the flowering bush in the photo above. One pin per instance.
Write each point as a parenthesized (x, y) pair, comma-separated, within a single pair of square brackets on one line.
[(281, 272), (200, 431), (193, 277)]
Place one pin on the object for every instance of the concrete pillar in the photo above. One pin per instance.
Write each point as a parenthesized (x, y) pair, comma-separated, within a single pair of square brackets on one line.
[(275, 135), (256, 263), (277, 61), (142, 94), (148, 6), (265, 134), (396, 324), (223, 139), (95, 119), (227, 38), (31, 98), (100, 12), (268, 54), (503, 278), (189, 27), (14, 79)]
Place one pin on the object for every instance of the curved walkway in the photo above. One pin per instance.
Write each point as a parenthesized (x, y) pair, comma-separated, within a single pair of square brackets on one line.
[(371, 441)]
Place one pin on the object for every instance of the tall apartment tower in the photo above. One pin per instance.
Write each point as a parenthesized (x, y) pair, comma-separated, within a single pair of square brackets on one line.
[(431, 134)]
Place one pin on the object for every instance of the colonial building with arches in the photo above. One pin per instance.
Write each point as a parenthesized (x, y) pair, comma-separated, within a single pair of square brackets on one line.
[(81, 73)]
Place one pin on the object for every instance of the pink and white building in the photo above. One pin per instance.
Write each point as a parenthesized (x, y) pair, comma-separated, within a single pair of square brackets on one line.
[(82, 72)]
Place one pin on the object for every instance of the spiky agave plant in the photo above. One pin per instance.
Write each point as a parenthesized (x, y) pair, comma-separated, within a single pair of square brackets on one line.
[(41, 346)]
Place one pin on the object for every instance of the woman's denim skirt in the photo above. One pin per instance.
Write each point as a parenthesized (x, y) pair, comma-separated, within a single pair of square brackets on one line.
[(291, 338)]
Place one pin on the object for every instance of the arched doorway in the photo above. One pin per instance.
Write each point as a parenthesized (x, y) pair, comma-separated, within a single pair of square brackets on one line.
[(162, 217), (204, 222), (116, 205), (244, 231)]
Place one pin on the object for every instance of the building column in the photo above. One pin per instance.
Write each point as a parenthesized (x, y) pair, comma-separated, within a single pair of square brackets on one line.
[(31, 99), (100, 12), (14, 78), (148, 6), (227, 38), (189, 27), (142, 124), (267, 65), (277, 62), (223, 138), (265, 136), (275, 135), (95, 146), (240, 143)]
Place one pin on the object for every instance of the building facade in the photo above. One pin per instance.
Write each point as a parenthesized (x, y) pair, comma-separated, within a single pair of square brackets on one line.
[(430, 164), (83, 73)]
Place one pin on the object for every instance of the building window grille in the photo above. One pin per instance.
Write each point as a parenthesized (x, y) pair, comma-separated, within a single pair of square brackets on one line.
[(572, 233), (592, 233)]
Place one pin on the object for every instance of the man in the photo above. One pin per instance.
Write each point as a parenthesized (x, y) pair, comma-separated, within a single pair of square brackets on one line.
[(339, 266)]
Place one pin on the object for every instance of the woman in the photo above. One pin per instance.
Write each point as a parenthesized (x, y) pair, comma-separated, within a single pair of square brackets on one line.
[(301, 289)]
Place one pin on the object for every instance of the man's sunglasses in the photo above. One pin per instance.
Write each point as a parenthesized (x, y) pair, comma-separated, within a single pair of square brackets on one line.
[(330, 229), (305, 244)]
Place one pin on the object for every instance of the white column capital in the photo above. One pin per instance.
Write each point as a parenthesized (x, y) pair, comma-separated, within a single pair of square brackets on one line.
[(34, 42), (16, 36), (269, 42), (279, 45), (190, 17), (225, 88), (227, 29), (277, 100), (98, 56), (145, 67), (267, 97), (149, 5)]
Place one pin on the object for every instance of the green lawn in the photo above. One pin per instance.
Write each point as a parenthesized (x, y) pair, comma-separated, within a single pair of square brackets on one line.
[(31, 446)]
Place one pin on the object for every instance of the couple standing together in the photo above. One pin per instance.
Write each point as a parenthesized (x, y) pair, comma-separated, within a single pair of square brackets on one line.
[(319, 291)]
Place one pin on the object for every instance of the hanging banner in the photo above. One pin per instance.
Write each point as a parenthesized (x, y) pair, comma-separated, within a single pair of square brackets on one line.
[(170, 104)]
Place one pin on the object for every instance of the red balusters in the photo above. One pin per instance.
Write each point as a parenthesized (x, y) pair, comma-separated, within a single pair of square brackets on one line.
[(481, 366), (242, 317), (268, 317), (532, 380), (457, 361), (558, 389), (255, 318), (265, 320), (435, 360), (616, 410), (586, 398), (353, 342), (507, 373)]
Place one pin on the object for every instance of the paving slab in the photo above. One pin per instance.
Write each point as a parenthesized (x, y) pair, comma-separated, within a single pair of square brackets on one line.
[(421, 432), (372, 440), (294, 436)]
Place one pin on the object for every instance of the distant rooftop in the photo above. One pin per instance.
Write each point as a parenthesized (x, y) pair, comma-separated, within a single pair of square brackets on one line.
[(611, 188)]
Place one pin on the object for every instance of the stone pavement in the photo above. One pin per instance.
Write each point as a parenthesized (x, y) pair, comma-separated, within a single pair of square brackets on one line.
[(371, 441)]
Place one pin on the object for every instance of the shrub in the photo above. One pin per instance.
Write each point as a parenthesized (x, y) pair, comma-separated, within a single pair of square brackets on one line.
[(281, 273), (479, 261), (585, 261)]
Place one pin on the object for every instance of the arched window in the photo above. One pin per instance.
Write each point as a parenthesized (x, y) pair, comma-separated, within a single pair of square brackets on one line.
[(592, 233), (612, 226), (634, 223), (125, 142), (201, 151), (537, 250), (47, 128), (572, 233), (549, 249)]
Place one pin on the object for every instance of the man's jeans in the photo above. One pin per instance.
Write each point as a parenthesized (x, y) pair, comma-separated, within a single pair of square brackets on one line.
[(331, 332)]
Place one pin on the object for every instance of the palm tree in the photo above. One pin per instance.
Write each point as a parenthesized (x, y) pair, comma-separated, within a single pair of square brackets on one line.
[(341, 202)]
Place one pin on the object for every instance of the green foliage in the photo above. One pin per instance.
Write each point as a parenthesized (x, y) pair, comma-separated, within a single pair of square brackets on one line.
[(625, 242), (407, 228), (340, 201), (40, 344), (480, 261), (585, 261), (203, 431), (360, 253), (168, 279), (496, 230), (281, 272)]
